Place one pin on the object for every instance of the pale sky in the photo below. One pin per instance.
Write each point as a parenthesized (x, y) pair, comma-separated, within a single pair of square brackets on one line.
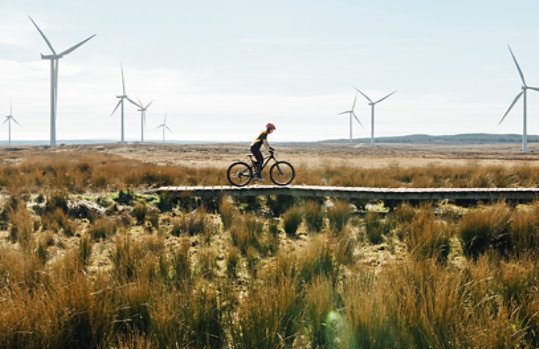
[(223, 69)]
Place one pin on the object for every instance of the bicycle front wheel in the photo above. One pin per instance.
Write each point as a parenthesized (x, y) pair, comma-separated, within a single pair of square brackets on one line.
[(282, 173), (239, 174)]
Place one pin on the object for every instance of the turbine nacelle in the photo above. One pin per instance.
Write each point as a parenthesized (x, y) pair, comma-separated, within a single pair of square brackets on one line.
[(50, 56)]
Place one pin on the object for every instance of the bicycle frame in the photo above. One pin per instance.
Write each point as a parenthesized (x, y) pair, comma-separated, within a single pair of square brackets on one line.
[(265, 162)]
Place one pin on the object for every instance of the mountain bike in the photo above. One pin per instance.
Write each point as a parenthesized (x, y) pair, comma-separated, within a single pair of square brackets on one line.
[(240, 173)]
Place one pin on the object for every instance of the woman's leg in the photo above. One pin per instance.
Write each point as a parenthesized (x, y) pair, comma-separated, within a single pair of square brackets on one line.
[(259, 158)]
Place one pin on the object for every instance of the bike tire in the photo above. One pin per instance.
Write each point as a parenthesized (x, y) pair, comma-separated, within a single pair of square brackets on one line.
[(239, 174), (282, 173)]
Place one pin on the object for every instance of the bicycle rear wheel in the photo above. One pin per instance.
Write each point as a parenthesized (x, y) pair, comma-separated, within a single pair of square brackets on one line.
[(239, 174), (282, 173)]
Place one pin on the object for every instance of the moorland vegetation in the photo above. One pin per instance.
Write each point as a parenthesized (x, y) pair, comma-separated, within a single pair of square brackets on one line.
[(86, 260)]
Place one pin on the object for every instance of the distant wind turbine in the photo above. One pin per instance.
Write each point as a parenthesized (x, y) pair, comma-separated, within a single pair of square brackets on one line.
[(10, 118), (142, 110), (521, 93), (121, 102), (54, 77), (352, 114), (372, 104), (163, 126)]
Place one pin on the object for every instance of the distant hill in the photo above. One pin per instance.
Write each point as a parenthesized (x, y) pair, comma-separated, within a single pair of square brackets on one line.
[(468, 138)]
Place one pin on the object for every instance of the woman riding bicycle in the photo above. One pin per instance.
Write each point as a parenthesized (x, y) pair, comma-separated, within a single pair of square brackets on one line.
[(255, 148)]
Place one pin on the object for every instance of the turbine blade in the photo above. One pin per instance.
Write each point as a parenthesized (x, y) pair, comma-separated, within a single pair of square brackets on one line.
[(168, 128), (354, 104), (518, 67), (69, 50), (385, 97), (117, 105), (533, 88), (43, 35), (130, 100), (344, 112), (10, 108), (511, 106), (140, 102), (12, 118), (364, 95), (123, 80), (148, 105), (357, 119), (160, 125), (6, 120)]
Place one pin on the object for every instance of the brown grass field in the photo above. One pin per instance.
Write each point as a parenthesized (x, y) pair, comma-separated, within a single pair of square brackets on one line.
[(86, 261)]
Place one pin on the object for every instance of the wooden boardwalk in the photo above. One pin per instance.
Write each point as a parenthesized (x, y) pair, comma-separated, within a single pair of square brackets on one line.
[(386, 194)]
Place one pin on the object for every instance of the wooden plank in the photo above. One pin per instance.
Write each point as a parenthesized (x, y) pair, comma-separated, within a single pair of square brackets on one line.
[(398, 194)]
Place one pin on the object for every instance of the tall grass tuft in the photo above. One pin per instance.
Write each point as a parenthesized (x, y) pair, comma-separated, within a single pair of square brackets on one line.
[(292, 220), (181, 263), (375, 227), (524, 231), (85, 249), (227, 212), (193, 223), (486, 227), (22, 226), (207, 262), (268, 317), (338, 215), (232, 261), (104, 227), (246, 232), (426, 237), (320, 301), (314, 216)]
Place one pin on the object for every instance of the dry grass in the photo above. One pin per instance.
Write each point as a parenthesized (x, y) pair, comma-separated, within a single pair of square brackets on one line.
[(188, 282)]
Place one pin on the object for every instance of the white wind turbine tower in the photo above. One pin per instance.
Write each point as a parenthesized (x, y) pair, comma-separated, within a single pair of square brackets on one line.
[(54, 77), (10, 118), (163, 126), (521, 93), (352, 114), (121, 102), (372, 104), (142, 110)]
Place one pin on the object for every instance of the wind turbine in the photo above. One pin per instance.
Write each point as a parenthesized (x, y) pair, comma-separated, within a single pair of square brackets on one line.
[(142, 110), (372, 104), (54, 77), (9, 118), (521, 93), (163, 126), (352, 114), (121, 102)]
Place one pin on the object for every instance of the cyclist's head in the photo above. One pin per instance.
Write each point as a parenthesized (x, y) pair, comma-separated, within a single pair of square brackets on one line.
[(270, 127)]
